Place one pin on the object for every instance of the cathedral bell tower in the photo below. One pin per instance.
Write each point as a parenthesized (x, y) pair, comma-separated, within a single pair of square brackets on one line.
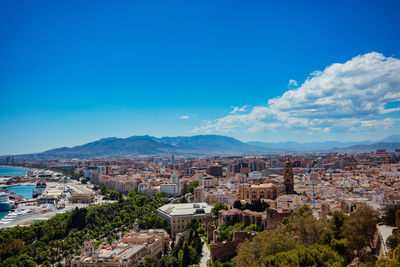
[(288, 178)]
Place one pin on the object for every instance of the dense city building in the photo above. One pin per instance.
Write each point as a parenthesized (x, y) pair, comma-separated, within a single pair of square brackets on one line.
[(128, 251)]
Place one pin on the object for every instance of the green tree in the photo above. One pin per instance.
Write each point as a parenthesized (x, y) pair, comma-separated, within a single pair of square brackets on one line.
[(9, 262), (264, 244), (24, 260), (192, 186), (342, 247), (186, 256), (306, 227), (316, 255), (161, 194), (11, 248), (192, 224), (360, 229), (217, 207), (256, 205), (392, 242), (336, 223), (114, 194), (390, 214), (201, 230), (237, 205), (104, 190), (224, 233), (78, 219)]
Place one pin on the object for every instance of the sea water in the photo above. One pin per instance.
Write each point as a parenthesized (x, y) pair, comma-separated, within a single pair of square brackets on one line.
[(20, 190), (12, 171)]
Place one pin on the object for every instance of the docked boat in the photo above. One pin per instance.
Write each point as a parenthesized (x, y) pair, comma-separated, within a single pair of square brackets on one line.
[(41, 184), (5, 203), (36, 193)]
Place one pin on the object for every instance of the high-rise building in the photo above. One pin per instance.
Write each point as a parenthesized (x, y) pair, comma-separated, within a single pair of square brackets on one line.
[(215, 170), (288, 177)]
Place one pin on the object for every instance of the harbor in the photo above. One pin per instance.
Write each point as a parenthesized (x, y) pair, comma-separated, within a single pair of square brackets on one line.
[(41, 195)]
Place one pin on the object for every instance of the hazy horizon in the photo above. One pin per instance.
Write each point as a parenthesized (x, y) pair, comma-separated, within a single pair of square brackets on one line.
[(256, 141)]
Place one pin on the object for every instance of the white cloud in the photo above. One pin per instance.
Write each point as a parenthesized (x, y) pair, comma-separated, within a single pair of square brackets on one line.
[(185, 117), (238, 109), (292, 83), (349, 96)]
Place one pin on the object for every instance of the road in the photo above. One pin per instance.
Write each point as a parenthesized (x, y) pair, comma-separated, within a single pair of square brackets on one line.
[(205, 256)]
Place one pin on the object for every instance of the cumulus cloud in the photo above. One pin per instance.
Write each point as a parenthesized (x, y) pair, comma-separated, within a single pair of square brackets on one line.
[(185, 117), (238, 109), (349, 96)]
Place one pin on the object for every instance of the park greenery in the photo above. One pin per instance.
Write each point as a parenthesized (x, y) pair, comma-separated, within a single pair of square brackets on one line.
[(56, 240), (255, 205), (109, 194), (392, 218), (390, 214), (192, 186), (225, 233), (187, 251), (217, 207), (303, 240)]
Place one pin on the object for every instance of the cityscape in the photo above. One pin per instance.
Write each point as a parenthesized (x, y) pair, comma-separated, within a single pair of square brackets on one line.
[(210, 134)]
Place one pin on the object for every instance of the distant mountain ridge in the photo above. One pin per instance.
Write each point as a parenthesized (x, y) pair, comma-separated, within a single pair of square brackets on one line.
[(388, 143), (203, 145), (389, 147), (149, 145)]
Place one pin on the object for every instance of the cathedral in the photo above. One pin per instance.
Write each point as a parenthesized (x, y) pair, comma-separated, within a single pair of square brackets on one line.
[(288, 178)]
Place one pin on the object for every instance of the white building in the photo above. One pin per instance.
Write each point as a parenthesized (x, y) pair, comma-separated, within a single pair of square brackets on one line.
[(255, 175), (178, 215), (170, 189)]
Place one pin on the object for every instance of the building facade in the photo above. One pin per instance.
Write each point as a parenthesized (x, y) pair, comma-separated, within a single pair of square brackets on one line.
[(251, 192), (178, 215), (215, 170)]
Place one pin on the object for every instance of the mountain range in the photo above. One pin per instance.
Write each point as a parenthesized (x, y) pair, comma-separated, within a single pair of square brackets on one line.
[(200, 145)]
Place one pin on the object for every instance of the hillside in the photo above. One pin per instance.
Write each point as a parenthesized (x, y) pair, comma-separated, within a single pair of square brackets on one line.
[(147, 145), (389, 147)]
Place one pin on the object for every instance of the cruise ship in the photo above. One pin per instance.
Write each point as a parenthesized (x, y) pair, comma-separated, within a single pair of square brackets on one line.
[(15, 215), (5, 203)]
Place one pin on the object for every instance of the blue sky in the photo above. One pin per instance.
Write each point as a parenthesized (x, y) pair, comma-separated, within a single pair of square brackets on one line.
[(76, 71)]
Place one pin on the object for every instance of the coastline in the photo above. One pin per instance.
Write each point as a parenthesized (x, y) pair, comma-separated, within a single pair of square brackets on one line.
[(16, 167), (23, 171)]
